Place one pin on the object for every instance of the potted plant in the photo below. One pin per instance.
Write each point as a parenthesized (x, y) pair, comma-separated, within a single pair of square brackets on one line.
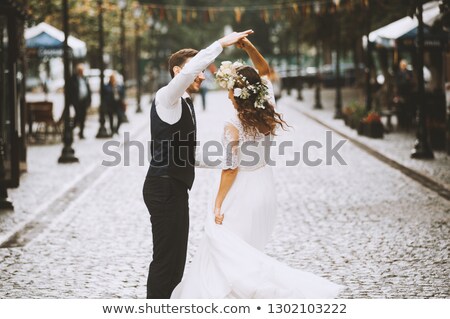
[(372, 125), (347, 114), (358, 113)]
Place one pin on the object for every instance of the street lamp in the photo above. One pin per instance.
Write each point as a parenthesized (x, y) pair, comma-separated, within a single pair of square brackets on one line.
[(338, 101), (318, 102), (422, 147), (368, 67), (299, 63), (122, 5), (137, 41), (102, 132), (68, 153)]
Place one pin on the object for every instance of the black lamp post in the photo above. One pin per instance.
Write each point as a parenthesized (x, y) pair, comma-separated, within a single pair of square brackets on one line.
[(422, 149), (102, 132), (68, 153), (338, 101), (318, 102), (137, 49), (368, 67), (122, 6), (299, 63)]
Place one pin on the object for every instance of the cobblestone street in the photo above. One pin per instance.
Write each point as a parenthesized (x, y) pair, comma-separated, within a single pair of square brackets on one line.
[(364, 224)]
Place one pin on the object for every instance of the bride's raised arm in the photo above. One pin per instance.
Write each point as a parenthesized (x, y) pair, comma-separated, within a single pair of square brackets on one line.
[(260, 64), (257, 59)]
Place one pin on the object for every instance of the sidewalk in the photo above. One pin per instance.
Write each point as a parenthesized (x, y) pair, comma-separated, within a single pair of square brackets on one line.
[(395, 146), (48, 183)]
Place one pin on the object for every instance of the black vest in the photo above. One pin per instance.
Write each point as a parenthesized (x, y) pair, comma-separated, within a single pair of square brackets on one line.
[(173, 146)]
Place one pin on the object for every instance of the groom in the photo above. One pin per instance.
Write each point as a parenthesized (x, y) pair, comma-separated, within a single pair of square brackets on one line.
[(171, 172)]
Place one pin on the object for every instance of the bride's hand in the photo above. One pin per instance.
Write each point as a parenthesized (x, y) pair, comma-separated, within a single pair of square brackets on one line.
[(243, 44), (218, 216)]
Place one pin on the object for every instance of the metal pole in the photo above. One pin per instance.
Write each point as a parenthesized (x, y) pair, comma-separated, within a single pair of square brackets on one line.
[(122, 44), (422, 147), (138, 68), (338, 101), (68, 153), (318, 102), (368, 68), (102, 132), (299, 63)]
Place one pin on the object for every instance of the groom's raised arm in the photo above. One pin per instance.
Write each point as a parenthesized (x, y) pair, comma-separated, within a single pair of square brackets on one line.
[(170, 94)]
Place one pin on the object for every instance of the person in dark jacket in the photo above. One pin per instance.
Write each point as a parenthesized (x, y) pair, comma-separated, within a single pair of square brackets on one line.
[(80, 97), (115, 103)]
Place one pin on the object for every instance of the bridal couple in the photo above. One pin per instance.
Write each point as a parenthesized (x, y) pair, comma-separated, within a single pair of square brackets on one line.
[(229, 262)]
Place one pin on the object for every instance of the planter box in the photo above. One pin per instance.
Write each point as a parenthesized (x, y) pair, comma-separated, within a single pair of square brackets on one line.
[(373, 129)]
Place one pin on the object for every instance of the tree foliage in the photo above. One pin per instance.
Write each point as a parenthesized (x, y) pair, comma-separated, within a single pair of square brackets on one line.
[(280, 35)]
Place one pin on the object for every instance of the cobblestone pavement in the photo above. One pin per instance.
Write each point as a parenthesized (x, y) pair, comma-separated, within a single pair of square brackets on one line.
[(396, 145), (364, 225)]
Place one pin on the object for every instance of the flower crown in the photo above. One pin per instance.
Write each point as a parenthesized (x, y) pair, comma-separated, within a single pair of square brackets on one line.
[(227, 77)]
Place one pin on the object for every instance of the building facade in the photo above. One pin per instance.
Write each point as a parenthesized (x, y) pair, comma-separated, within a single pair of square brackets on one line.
[(12, 95)]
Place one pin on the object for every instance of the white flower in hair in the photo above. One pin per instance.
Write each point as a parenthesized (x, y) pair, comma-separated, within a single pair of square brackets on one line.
[(227, 77), (237, 64)]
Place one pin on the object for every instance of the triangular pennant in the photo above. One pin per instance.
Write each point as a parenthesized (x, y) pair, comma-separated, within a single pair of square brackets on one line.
[(237, 14), (179, 15)]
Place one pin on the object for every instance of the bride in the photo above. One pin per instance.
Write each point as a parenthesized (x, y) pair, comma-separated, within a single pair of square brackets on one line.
[(229, 262)]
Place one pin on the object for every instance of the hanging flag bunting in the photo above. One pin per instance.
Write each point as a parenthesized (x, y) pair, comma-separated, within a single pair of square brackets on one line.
[(179, 15), (317, 8), (308, 10), (277, 15), (238, 14), (211, 14), (266, 15), (268, 12)]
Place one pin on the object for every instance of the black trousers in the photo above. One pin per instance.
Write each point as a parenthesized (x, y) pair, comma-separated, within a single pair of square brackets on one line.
[(167, 202), (80, 114)]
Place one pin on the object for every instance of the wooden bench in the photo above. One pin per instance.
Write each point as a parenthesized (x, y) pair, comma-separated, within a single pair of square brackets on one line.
[(41, 123)]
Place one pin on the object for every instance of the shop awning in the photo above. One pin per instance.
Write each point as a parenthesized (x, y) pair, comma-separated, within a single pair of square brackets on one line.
[(403, 32), (47, 40)]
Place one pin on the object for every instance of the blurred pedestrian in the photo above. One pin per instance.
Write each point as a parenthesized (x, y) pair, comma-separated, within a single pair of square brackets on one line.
[(80, 97), (115, 103), (208, 83), (404, 91)]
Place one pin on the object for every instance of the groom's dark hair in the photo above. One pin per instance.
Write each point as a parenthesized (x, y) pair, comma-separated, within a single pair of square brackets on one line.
[(179, 58)]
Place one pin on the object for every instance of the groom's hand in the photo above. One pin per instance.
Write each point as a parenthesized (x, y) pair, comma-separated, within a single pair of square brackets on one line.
[(234, 37)]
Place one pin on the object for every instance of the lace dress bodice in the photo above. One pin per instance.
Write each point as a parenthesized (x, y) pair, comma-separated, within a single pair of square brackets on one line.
[(243, 150)]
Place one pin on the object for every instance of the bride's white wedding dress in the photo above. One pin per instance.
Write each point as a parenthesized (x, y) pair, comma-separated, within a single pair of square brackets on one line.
[(229, 262)]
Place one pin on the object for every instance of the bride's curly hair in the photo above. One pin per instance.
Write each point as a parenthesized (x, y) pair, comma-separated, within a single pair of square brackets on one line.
[(264, 120)]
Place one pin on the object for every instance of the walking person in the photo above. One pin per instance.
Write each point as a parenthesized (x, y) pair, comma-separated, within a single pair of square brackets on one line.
[(171, 172), (115, 103), (208, 84), (80, 97), (229, 262)]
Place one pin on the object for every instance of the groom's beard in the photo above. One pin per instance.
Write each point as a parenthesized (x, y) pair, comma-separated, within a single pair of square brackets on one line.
[(195, 86)]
